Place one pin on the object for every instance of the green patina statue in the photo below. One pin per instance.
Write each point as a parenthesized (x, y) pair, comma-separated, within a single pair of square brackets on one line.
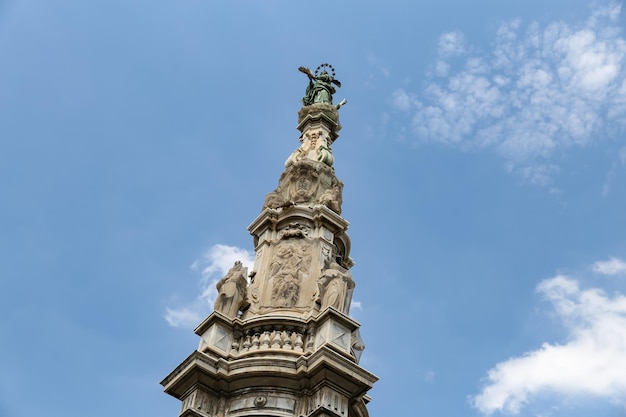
[(320, 88)]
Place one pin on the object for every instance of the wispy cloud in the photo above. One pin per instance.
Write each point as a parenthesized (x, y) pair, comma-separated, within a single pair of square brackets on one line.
[(540, 90), (618, 163), (184, 317), (213, 265), (613, 266), (591, 363)]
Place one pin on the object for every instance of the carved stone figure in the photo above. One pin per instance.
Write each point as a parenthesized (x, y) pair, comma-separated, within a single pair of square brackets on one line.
[(332, 198), (231, 291), (335, 288), (275, 199), (320, 88)]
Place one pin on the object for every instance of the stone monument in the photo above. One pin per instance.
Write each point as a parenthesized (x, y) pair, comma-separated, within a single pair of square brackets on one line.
[(282, 343)]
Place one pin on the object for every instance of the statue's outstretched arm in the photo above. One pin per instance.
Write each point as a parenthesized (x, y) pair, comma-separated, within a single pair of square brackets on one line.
[(306, 71)]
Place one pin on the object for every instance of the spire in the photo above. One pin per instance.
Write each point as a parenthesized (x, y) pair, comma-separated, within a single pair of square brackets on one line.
[(283, 343)]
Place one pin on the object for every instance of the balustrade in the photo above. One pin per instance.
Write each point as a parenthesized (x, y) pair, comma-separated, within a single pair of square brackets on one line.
[(282, 338)]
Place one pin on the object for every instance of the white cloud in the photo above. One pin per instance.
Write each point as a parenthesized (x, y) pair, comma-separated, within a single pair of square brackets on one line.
[(213, 265), (539, 174), (452, 44), (613, 266), (538, 92), (590, 363), (402, 100), (617, 164), (182, 317)]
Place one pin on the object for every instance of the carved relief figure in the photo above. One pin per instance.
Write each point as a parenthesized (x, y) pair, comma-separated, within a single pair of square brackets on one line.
[(231, 291), (286, 272), (335, 288)]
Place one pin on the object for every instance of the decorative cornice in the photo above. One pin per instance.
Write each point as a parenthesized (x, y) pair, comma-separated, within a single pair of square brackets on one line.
[(323, 366)]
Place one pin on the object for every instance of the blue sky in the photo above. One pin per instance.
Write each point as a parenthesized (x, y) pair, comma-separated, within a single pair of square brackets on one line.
[(483, 152)]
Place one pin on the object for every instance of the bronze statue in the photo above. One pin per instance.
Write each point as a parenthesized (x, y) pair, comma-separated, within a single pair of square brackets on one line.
[(320, 88)]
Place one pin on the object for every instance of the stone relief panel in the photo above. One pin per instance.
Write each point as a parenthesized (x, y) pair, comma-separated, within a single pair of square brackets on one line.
[(291, 261), (302, 270), (304, 183)]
